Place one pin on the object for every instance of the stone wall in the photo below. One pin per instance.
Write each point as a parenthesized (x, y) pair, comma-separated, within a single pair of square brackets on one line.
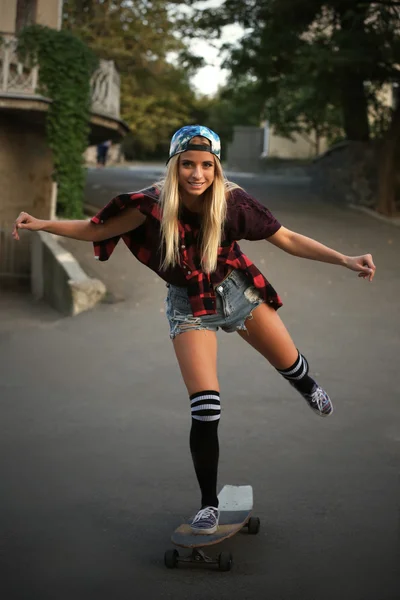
[(26, 185), (25, 170), (348, 173)]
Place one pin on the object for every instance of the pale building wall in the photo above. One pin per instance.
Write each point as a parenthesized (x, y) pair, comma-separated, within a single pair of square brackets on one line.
[(8, 15), (48, 12), (300, 147), (25, 170)]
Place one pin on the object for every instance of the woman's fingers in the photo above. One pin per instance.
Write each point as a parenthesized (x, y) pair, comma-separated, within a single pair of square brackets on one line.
[(15, 231), (370, 264), (19, 224), (364, 265), (368, 267)]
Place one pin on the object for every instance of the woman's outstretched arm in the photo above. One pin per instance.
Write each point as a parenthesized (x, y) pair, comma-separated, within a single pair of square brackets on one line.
[(305, 247), (84, 230)]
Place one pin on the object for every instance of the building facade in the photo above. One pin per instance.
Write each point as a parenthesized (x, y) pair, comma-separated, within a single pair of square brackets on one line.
[(25, 159)]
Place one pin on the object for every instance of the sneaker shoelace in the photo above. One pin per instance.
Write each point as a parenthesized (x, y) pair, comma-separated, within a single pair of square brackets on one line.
[(319, 398), (204, 513)]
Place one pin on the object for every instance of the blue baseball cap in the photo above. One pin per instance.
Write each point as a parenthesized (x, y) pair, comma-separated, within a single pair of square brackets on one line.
[(180, 141)]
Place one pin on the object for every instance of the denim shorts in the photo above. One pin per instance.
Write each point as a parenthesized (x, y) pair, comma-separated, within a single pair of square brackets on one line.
[(236, 300)]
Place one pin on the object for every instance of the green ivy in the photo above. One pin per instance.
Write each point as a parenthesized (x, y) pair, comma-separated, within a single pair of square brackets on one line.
[(66, 65)]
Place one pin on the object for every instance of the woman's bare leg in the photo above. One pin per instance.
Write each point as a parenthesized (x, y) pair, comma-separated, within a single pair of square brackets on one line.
[(269, 336), (196, 351)]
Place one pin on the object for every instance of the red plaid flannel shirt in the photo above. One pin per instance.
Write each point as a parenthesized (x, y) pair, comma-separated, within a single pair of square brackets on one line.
[(246, 219)]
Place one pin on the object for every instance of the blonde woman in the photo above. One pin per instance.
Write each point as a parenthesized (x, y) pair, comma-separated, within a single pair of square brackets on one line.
[(186, 229)]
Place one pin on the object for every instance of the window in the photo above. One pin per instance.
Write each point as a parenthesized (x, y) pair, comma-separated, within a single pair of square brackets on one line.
[(26, 14)]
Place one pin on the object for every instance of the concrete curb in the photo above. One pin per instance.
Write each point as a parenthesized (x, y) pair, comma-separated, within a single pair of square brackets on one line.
[(57, 277), (372, 213), (91, 210)]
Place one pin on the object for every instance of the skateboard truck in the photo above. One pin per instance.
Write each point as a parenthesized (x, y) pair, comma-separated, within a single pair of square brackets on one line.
[(223, 561)]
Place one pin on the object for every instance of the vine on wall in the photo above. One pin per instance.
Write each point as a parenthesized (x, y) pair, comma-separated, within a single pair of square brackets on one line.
[(66, 65)]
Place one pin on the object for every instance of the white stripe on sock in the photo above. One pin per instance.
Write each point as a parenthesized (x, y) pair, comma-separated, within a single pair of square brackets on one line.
[(299, 363), (207, 418), (206, 407), (302, 373), (205, 397)]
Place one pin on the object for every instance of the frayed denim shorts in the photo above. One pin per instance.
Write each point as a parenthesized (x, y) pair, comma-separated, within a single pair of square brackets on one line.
[(236, 300)]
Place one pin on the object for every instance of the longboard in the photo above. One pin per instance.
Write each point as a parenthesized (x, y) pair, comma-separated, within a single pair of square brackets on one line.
[(236, 506)]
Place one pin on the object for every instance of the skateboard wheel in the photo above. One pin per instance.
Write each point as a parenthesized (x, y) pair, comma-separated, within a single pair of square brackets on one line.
[(253, 525), (171, 558), (225, 561)]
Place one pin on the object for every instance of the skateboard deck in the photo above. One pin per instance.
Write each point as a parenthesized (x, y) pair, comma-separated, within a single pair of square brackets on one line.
[(235, 505)]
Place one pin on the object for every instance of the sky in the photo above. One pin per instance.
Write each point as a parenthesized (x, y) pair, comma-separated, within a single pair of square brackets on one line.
[(209, 78)]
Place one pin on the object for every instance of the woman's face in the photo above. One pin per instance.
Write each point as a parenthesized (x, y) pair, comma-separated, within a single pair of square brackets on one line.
[(196, 169)]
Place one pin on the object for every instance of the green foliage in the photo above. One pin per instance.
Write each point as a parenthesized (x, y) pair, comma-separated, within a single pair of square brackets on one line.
[(318, 64), (154, 116), (140, 37), (65, 69)]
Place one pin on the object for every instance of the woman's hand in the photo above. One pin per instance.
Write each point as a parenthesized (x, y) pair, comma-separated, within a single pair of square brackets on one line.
[(26, 221), (364, 264)]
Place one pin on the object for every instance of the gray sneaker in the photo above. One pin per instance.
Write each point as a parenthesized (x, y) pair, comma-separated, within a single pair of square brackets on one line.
[(319, 401), (206, 520)]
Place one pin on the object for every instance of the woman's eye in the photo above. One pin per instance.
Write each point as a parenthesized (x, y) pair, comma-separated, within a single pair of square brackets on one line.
[(188, 165)]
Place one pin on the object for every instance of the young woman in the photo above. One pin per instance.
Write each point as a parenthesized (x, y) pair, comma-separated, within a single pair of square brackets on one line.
[(186, 228)]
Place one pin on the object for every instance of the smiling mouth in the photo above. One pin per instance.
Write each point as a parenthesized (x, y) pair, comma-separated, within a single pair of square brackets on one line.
[(196, 184)]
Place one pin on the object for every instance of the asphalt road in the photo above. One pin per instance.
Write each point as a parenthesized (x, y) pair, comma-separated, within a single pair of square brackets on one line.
[(94, 462)]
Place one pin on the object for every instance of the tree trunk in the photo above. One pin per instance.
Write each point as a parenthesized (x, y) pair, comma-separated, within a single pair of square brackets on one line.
[(354, 106), (354, 101), (388, 167)]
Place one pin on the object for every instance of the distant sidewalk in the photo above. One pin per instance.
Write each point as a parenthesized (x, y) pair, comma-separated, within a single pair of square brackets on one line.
[(278, 174)]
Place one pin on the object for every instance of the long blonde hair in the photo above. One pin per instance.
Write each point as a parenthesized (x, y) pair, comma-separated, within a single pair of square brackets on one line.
[(213, 217)]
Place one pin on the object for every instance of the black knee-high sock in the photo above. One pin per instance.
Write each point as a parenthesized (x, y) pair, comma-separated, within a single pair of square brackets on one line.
[(298, 376), (204, 445)]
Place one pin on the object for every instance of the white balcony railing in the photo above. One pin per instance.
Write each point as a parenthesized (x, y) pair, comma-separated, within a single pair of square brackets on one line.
[(15, 77), (19, 79), (105, 84)]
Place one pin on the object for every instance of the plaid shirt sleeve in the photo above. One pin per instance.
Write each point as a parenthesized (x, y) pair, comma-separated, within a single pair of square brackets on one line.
[(248, 219), (145, 201)]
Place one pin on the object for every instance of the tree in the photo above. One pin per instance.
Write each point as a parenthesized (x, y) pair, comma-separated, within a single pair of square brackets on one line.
[(334, 46), (389, 167), (139, 36), (319, 64)]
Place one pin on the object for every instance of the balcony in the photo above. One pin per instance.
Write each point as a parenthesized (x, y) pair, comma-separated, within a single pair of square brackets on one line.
[(19, 81), (105, 86)]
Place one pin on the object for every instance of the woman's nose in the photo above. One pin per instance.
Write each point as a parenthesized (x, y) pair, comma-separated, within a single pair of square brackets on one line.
[(198, 172)]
